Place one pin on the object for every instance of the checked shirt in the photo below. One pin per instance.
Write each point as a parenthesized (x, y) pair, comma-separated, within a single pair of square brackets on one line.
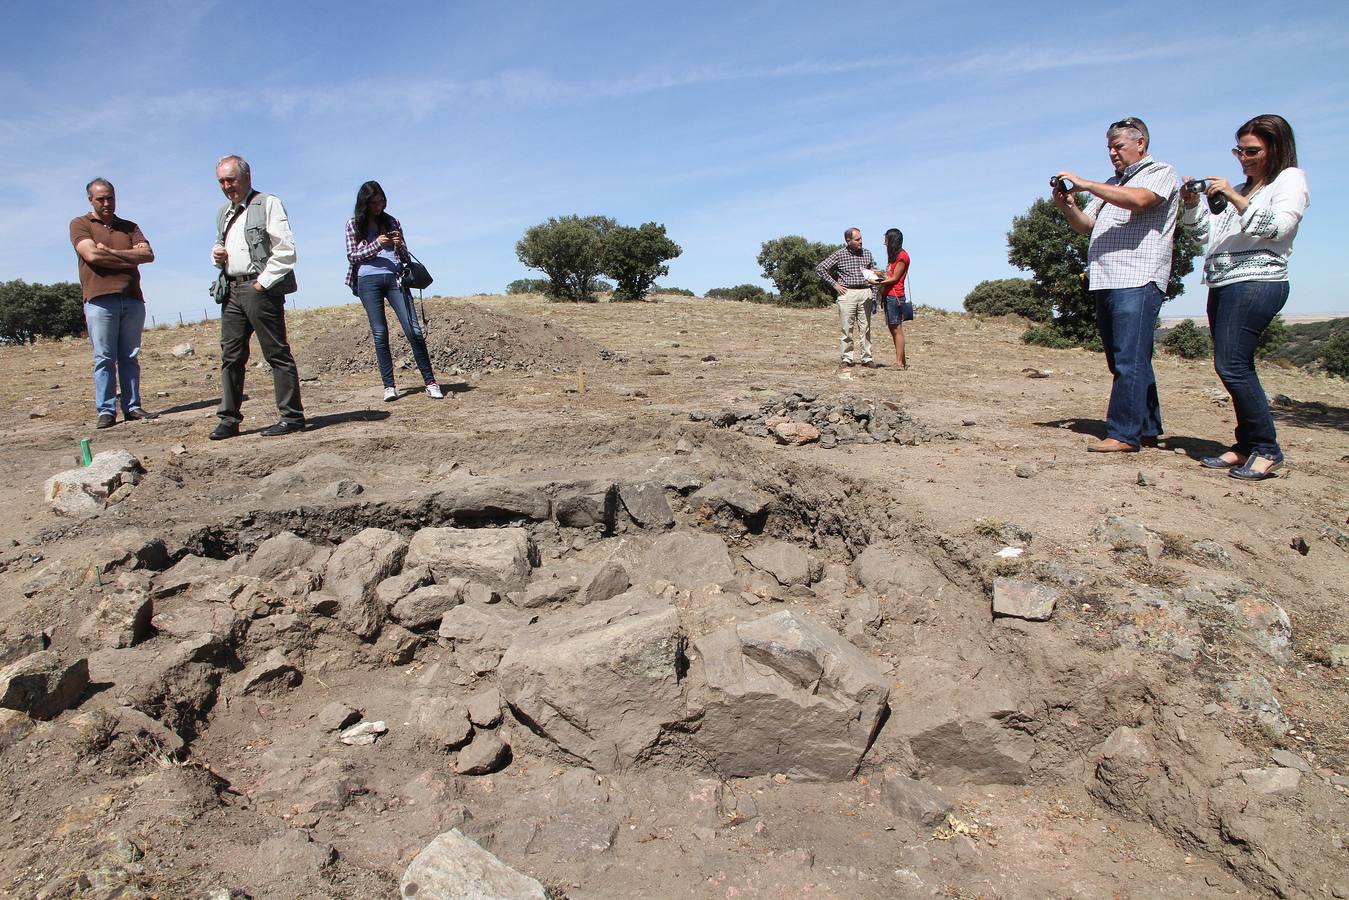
[(849, 267), (1131, 249)]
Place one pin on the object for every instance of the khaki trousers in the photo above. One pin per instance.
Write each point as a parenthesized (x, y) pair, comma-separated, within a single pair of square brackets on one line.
[(853, 312)]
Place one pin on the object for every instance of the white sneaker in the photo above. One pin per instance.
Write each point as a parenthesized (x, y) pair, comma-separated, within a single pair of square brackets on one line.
[(390, 395), (434, 392)]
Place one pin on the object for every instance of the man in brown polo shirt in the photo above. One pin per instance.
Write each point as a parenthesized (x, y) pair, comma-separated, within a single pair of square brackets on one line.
[(109, 249)]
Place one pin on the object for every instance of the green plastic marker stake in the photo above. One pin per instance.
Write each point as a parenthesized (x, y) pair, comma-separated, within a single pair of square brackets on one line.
[(98, 575), (85, 453)]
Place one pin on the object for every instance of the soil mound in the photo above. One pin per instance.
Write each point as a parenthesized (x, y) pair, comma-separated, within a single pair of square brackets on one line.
[(460, 338)]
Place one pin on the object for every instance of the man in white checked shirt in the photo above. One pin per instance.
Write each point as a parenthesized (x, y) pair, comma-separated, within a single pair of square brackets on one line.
[(1132, 221)]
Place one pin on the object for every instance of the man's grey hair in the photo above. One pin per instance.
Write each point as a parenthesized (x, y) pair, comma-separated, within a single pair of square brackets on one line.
[(849, 232), (89, 188), (1131, 126), (239, 163)]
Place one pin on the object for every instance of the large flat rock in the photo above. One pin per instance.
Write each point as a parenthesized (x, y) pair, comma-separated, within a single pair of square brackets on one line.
[(689, 560), (500, 558), (786, 694), (601, 683)]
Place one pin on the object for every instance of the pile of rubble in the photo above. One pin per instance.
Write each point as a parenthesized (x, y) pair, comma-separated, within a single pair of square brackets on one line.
[(803, 418)]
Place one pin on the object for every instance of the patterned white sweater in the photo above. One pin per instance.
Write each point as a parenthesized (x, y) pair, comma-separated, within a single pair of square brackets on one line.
[(1255, 245)]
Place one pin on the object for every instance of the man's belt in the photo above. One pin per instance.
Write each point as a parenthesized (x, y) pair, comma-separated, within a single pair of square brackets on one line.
[(238, 279)]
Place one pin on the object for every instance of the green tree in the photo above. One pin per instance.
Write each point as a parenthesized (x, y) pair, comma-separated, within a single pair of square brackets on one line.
[(789, 262), (744, 292), (29, 311), (1043, 242), (636, 257), (1188, 340), (570, 251), (1008, 297), (1335, 354), (529, 286), (1273, 338)]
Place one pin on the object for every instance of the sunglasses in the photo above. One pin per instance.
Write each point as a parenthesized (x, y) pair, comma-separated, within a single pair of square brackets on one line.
[(1127, 122), (1248, 152)]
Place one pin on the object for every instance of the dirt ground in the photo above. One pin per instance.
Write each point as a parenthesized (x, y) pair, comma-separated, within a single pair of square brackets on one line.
[(538, 389)]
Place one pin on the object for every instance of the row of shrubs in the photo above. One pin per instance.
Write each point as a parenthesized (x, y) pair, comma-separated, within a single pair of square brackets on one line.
[(1305, 344)]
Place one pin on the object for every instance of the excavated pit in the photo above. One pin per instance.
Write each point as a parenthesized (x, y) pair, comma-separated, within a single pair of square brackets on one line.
[(694, 656)]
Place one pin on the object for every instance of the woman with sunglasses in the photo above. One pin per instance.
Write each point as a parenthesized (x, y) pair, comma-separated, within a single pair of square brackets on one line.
[(376, 253), (1249, 237)]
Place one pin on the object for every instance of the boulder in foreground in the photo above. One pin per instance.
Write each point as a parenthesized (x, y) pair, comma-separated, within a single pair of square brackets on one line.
[(42, 686), (454, 867), (602, 683), (787, 694), (82, 492)]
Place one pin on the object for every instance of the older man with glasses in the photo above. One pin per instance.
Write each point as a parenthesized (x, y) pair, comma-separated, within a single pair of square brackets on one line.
[(255, 252), (1132, 221)]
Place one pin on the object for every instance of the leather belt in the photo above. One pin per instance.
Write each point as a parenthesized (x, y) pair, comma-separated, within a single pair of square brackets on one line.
[(236, 279)]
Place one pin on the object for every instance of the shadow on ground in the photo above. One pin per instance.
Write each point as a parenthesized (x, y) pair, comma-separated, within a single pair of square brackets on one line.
[(1308, 414), (191, 407), (314, 423), (1195, 448)]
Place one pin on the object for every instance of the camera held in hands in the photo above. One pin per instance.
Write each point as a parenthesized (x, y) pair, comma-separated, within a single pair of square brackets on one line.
[(1062, 185), (1216, 202)]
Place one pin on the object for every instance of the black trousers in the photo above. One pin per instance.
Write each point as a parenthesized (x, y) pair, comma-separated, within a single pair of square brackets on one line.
[(245, 313)]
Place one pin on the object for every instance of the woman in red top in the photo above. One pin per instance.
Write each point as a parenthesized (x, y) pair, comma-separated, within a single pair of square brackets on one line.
[(892, 289)]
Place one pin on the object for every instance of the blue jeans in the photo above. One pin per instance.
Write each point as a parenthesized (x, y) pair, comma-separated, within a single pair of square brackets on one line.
[(373, 291), (1127, 319), (115, 324), (1237, 315)]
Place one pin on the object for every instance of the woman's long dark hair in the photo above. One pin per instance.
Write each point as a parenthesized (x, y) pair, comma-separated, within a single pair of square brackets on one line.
[(362, 214), (894, 242), (1277, 136)]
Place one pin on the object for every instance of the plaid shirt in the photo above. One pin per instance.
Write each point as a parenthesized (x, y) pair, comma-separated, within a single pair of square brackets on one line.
[(359, 250), (1131, 249), (849, 267)]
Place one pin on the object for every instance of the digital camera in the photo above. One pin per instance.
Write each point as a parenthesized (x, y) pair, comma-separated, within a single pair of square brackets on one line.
[(1216, 202), (1062, 184)]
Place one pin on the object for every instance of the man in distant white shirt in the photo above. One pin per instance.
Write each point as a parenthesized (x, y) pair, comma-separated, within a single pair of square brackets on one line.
[(1132, 221), (255, 252)]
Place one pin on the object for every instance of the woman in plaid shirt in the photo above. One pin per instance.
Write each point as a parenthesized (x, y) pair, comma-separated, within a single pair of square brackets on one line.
[(376, 252)]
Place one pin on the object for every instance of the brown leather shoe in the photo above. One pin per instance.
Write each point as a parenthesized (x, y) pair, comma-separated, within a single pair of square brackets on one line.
[(1110, 445)]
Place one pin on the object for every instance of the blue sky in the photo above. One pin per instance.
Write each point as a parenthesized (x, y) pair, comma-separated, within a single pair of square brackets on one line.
[(729, 123)]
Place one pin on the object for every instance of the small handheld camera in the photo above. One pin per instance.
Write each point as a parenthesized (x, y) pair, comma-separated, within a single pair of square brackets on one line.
[(1062, 184), (1216, 202)]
